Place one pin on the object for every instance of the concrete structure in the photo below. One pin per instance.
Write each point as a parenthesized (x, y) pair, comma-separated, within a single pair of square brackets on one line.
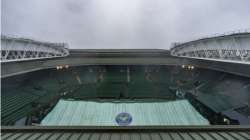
[(232, 48), (20, 49), (120, 57)]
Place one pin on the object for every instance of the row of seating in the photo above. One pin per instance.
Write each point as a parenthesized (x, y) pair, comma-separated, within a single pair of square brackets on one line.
[(82, 82), (115, 84), (16, 103), (15, 107)]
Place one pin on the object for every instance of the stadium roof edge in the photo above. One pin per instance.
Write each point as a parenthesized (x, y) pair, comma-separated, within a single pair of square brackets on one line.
[(181, 44), (119, 50), (35, 41), (128, 132), (129, 128)]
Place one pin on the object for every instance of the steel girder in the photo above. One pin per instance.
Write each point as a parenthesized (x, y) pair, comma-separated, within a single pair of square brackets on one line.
[(233, 48), (19, 49)]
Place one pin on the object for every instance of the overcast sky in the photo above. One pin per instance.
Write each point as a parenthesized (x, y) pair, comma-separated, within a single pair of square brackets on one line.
[(122, 23)]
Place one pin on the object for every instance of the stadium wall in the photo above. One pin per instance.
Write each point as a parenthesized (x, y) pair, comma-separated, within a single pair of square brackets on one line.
[(120, 57)]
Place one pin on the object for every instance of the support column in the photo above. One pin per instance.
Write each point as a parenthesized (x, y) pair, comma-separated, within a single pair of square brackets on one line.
[(128, 74)]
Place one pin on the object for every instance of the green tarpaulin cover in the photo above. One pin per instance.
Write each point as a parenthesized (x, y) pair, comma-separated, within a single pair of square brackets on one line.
[(89, 113)]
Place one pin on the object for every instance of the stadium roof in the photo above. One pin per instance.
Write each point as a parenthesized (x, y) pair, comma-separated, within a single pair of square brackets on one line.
[(104, 114), (34, 41), (127, 133)]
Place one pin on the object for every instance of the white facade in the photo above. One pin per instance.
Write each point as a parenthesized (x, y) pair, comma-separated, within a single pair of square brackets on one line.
[(19, 49)]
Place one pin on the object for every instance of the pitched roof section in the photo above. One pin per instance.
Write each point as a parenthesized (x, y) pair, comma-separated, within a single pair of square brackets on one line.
[(128, 133)]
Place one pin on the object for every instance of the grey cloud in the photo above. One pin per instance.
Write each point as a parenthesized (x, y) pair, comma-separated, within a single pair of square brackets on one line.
[(122, 23)]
